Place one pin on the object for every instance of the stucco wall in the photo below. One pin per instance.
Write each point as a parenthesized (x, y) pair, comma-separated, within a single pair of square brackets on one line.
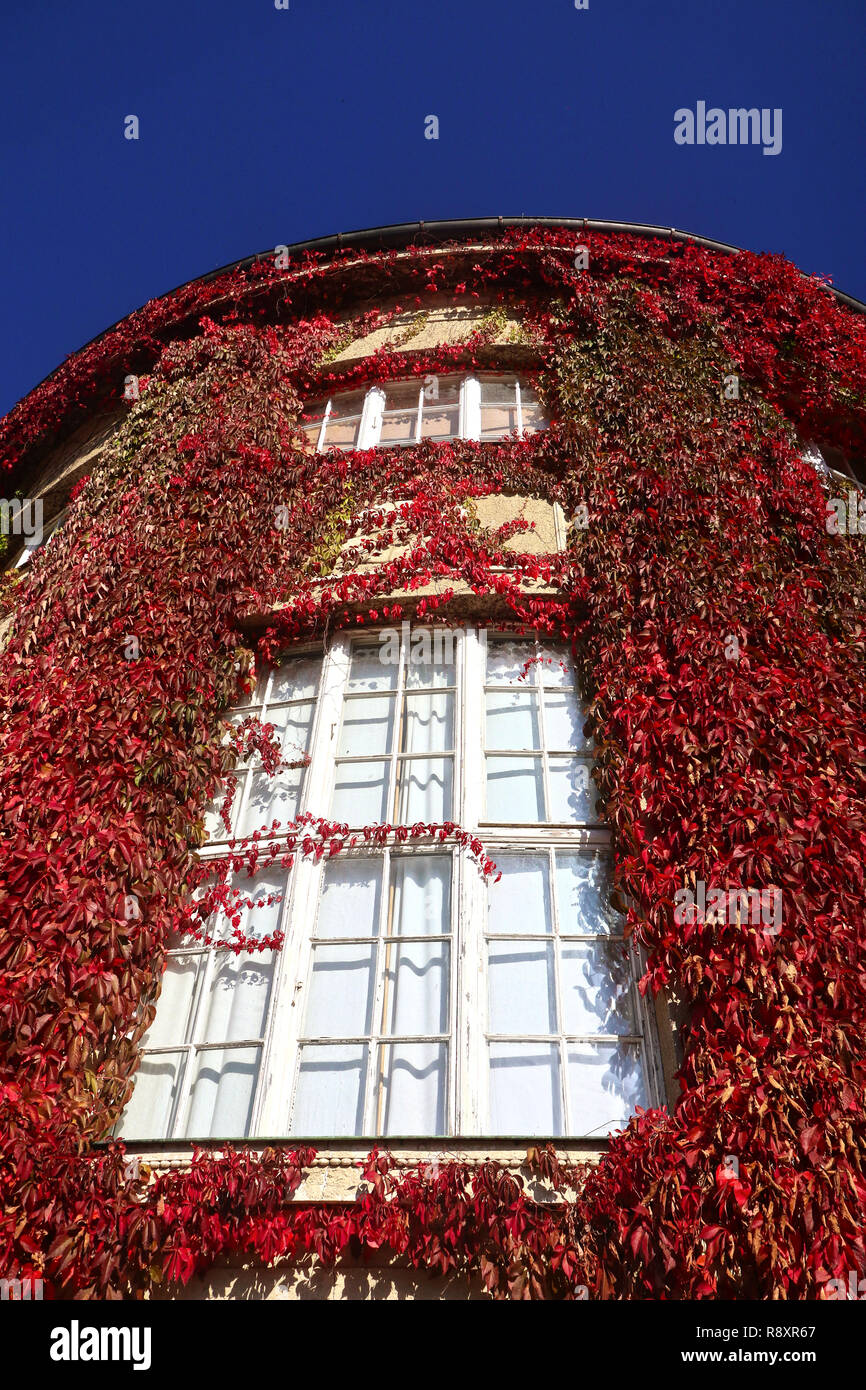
[(437, 324)]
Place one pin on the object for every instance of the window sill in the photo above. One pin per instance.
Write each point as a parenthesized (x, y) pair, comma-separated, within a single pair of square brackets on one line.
[(335, 1173)]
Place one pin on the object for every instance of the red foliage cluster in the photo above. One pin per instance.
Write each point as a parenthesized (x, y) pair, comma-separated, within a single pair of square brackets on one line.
[(718, 631)]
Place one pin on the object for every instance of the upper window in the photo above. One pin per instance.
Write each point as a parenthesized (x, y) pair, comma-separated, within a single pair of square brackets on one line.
[(430, 407), (836, 466), (412, 996), (49, 529)]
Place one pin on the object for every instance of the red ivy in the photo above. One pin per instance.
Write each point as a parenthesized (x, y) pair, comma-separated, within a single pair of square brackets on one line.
[(704, 525)]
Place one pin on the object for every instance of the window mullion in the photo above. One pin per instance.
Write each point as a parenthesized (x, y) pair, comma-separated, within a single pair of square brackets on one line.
[(196, 1024), (419, 416), (321, 770), (470, 408), (472, 746), (303, 890), (395, 768), (370, 426), (539, 688), (557, 986), (320, 443), (519, 408), (282, 1028), (373, 1092), (471, 1019)]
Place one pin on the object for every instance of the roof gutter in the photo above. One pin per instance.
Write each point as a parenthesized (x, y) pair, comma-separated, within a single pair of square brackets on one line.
[(404, 233)]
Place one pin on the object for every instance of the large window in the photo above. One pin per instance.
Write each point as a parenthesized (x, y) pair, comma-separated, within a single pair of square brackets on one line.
[(412, 996), (430, 407), (836, 466)]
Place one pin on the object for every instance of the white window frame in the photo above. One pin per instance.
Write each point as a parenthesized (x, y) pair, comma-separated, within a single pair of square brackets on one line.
[(50, 529), (467, 1097), (372, 412), (813, 455)]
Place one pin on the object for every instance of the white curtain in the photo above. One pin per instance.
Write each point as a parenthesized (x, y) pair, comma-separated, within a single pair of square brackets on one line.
[(223, 1091), (520, 901), (413, 1088), (329, 1094), (606, 1083), (421, 895), (525, 1090), (521, 985)]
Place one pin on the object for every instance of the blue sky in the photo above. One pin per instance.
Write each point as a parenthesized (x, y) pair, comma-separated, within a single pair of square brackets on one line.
[(261, 126)]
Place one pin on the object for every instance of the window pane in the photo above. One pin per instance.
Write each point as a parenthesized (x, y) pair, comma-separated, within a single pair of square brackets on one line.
[(342, 985), (400, 418), (359, 793), (293, 724), (440, 418), (605, 1084), (368, 725), (213, 822), (498, 389), (425, 790), (520, 901), (342, 427), (554, 666), (525, 1096), (522, 987), (296, 678), (563, 720), (272, 797), (422, 895), (515, 789), (572, 791), (311, 421), (596, 988), (428, 723), (236, 1006), (403, 395), (370, 671), (148, 1114), (174, 1006), (512, 719), (398, 429), (351, 892), (532, 411), (329, 1096), (413, 1088), (498, 407), (583, 895), (430, 659), (506, 660), (416, 987), (235, 718), (223, 1093), (266, 892)]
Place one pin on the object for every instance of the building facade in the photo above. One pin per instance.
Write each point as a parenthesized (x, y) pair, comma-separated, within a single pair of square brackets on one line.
[(434, 754)]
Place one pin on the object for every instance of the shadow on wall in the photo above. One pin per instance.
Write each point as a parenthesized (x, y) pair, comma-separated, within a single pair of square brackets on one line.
[(308, 1279)]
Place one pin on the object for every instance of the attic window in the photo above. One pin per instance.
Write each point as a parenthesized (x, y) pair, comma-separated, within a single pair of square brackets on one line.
[(430, 407)]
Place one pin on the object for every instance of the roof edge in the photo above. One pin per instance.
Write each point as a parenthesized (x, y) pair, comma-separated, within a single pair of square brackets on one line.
[(395, 235)]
